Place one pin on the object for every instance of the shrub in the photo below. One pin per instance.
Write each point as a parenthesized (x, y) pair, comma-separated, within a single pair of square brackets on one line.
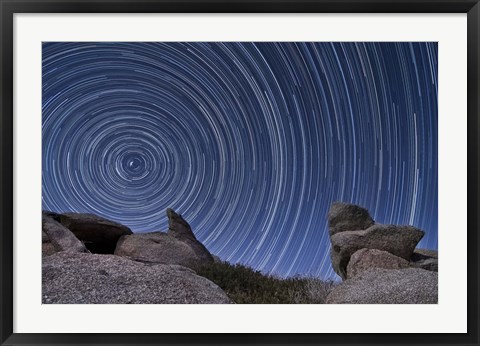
[(245, 285)]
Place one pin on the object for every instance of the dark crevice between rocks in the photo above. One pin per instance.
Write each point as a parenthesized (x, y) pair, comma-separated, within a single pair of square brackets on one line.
[(101, 249)]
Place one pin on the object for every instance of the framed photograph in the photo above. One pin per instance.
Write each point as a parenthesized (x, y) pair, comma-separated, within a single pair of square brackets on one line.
[(241, 172)]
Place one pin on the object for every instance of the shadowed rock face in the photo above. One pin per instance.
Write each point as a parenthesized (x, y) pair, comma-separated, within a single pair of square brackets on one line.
[(398, 240), (58, 237), (419, 254), (79, 278), (348, 217), (178, 246), (51, 215), (388, 286), (425, 259), (97, 233)]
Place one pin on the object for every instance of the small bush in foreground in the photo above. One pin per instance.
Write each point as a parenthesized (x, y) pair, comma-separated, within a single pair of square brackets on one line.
[(246, 286)]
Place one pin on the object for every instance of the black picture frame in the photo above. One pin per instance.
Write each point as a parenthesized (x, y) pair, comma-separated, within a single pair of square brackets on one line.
[(10, 7)]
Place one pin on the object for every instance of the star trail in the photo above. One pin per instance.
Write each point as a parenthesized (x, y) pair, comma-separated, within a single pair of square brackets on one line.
[(250, 142)]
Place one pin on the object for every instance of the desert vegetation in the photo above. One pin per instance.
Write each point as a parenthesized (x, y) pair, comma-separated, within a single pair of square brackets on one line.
[(244, 285)]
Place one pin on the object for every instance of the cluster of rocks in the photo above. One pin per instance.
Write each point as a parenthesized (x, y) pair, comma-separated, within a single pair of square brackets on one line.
[(89, 259), (379, 264)]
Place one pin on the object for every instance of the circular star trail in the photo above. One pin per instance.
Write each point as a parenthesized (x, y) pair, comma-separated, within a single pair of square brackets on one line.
[(250, 142)]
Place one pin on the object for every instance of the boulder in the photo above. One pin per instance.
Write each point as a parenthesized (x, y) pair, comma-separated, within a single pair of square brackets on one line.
[(80, 278), (348, 217), (178, 246), (366, 259), (425, 259), (398, 240), (56, 237), (159, 247), (97, 233), (388, 286)]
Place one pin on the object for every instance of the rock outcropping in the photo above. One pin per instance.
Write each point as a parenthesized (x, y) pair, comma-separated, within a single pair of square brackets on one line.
[(379, 263), (178, 246), (153, 273), (397, 240), (94, 233)]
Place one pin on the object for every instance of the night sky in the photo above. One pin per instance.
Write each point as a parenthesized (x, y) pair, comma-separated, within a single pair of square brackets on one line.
[(250, 142)]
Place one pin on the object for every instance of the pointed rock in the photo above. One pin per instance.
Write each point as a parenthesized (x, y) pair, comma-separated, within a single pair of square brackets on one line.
[(178, 227)]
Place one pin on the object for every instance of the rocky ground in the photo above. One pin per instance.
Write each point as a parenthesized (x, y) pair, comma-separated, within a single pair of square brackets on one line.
[(91, 260)]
